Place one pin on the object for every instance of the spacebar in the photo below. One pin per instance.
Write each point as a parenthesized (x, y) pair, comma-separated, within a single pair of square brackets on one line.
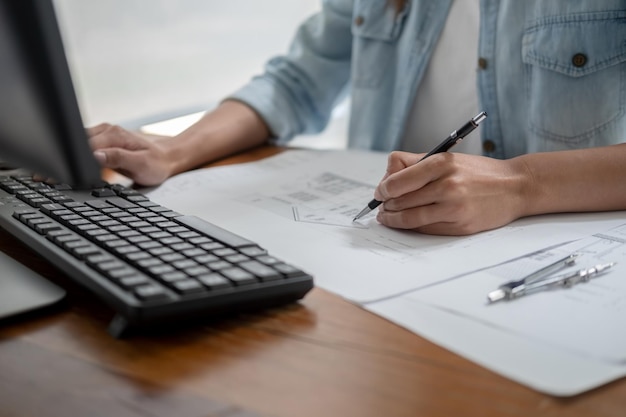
[(213, 231)]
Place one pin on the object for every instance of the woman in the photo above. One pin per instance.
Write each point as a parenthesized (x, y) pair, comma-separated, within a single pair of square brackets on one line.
[(550, 75)]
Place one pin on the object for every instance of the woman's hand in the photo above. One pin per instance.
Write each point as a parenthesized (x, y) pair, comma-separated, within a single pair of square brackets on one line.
[(143, 159), (451, 193), (149, 160)]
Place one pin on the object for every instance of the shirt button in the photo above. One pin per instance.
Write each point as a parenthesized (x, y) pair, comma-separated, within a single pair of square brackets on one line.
[(359, 20), (579, 60), (489, 146), (482, 63)]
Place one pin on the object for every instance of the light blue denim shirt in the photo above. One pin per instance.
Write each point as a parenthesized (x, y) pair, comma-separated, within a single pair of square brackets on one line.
[(552, 73)]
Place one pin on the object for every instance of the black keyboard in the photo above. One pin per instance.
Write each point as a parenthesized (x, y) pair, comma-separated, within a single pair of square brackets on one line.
[(150, 264)]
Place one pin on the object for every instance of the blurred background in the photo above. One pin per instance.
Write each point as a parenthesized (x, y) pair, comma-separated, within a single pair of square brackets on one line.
[(136, 62)]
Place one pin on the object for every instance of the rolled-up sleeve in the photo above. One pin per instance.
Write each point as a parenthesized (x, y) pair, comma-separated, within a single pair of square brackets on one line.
[(297, 92)]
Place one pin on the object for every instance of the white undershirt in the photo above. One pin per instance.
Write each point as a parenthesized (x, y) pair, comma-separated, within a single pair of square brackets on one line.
[(447, 96)]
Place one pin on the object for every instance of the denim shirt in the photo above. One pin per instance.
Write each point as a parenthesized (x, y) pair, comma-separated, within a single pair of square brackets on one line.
[(552, 74)]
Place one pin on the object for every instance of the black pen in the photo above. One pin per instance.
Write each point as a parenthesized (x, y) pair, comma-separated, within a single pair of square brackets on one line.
[(454, 138)]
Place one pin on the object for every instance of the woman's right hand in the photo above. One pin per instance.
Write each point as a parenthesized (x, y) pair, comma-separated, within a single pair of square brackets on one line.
[(149, 159), (144, 159)]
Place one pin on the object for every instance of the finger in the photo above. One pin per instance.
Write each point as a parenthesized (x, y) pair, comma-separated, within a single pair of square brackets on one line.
[(111, 159), (98, 129), (435, 219), (135, 165), (101, 157), (397, 161), (43, 178), (448, 190), (446, 229), (424, 196), (116, 158), (115, 137), (413, 218), (411, 178)]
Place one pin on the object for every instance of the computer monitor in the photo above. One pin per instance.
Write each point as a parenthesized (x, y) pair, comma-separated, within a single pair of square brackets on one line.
[(40, 124), (41, 129)]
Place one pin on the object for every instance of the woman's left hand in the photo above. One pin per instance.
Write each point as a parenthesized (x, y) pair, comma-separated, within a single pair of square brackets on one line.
[(451, 193)]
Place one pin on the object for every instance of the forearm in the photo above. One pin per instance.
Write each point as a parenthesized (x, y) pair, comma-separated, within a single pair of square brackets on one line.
[(232, 127), (574, 181)]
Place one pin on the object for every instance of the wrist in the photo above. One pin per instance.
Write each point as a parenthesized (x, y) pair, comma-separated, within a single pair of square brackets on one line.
[(179, 153), (231, 128), (527, 188)]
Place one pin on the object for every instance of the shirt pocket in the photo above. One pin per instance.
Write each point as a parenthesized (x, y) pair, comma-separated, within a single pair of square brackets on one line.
[(575, 74), (375, 28)]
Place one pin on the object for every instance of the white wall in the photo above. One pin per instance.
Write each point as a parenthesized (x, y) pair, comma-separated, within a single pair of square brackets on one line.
[(136, 61)]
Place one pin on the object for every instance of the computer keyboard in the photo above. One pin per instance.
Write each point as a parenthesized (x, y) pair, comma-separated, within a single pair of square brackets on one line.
[(152, 265)]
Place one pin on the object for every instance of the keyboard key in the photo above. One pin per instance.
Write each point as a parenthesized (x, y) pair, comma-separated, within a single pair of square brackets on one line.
[(151, 292), (43, 228), (188, 286), (122, 272), (287, 270), (216, 232), (239, 276), (173, 276), (214, 281), (253, 251), (197, 270), (267, 260), (264, 272), (132, 281), (102, 192), (85, 251)]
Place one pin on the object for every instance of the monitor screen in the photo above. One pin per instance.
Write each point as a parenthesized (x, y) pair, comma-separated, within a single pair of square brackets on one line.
[(41, 129)]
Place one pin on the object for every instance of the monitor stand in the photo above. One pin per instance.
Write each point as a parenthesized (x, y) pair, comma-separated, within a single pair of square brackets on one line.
[(23, 290)]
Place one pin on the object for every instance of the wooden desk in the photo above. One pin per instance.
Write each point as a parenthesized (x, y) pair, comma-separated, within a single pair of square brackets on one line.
[(320, 357)]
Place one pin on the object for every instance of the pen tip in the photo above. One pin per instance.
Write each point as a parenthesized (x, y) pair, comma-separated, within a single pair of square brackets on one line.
[(362, 213)]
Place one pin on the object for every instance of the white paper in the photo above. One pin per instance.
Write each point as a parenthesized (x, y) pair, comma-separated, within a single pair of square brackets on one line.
[(586, 319), (300, 204), (542, 367)]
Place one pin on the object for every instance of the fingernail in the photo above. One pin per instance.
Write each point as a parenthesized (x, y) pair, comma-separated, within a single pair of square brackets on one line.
[(100, 156)]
